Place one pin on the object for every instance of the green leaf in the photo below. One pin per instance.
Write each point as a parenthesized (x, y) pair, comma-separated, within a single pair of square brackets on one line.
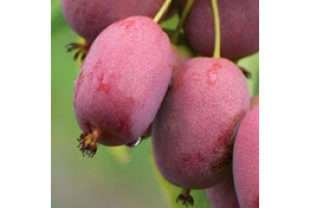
[(251, 63), (58, 23)]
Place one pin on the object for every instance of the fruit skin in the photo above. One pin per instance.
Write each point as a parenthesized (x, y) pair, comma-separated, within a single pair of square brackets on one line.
[(192, 132), (239, 22), (246, 160), (123, 80), (223, 194), (89, 18)]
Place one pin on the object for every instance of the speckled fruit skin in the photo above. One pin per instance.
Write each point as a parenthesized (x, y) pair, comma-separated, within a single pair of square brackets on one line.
[(223, 194), (88, 18), (239, 22), (192, 132), (246, 160), (123, 80)]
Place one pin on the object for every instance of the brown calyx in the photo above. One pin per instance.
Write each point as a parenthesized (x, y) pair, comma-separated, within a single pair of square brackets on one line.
[(185, 197), (80, 48), (88, 143)]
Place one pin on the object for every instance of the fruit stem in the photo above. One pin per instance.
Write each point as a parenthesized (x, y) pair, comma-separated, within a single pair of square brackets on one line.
[(176, 34), (162, 10), (217, 44)]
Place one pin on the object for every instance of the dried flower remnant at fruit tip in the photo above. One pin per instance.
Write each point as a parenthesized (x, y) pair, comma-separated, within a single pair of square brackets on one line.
[(88, 144), (185, 198), (81, 49)]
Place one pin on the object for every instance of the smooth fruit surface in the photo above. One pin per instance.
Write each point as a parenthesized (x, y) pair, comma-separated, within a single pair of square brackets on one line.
[(123, 80), (223, 194), (246, 160), (89, 18), (192, 132), (239, 25)]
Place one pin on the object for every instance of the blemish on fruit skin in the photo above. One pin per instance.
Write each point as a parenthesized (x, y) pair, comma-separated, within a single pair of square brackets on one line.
[(78, 83), (126, 23), (193, 158), (212, 73), (102, 84), (226, 141), (195, 76), (224, 160), (169, 126), (171, 121)]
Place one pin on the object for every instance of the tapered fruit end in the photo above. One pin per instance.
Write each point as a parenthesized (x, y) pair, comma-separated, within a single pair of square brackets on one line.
[(87, 144), (185, 198), (81, 50)]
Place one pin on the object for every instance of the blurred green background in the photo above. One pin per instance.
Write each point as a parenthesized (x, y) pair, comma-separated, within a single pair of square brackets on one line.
[(115, 177)]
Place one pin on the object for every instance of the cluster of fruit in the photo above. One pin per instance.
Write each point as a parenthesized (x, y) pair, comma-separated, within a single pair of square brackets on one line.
[(133, 83)]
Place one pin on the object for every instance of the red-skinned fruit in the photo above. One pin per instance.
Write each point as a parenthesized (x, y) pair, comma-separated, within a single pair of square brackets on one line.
[(239, 22), (246, 160), (192, 133), (146, 134), (223, 194), (122, 83), (89, 18), (181, 54)]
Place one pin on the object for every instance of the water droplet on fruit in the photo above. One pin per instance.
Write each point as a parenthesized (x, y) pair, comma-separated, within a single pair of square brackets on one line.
[(135, 143)]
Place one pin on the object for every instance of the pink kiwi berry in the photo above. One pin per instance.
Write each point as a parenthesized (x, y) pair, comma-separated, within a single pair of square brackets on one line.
[(88, 18), (122, 83), (223, 194), (246, 160), (239, 20), (193, 130)]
